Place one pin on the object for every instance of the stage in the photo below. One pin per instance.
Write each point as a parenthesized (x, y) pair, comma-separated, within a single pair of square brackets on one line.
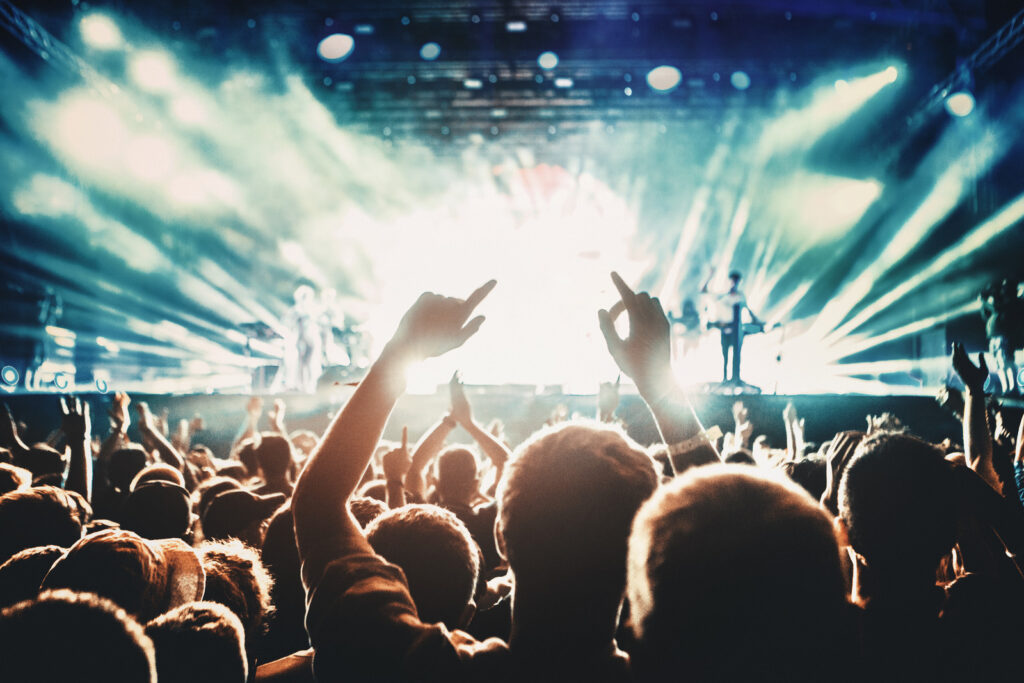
[(521, 410)]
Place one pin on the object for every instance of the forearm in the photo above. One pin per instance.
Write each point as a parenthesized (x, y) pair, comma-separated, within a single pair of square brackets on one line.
[(395, 493), (334, 469), (978, 438), (496, 451), (110, 444), (80, 468), (428, 447), (677, 423)]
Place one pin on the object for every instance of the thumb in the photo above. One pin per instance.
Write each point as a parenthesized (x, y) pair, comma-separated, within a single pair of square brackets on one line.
[(607, 325)]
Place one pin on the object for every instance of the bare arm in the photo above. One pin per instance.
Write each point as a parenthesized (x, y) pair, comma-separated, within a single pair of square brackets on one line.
[(77, 427), (167, 453), (977, 435), (427, 448), (645, 356), (324, 528), (253, 410), (396, 465), (461, 412)]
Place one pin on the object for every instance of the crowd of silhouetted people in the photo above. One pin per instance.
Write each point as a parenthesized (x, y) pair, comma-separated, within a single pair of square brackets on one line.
[(577, 555)]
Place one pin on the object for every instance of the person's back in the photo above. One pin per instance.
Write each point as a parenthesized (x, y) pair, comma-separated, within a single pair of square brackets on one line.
[(734, 575), (897, 505)]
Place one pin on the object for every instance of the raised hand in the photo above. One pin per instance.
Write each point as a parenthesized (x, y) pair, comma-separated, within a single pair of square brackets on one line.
[(396, 462), (147, 421), (120, 418), (254, 407), (75, 420), (9, 437), (437, 324), (645, 355), (276, 415), (460, 409), (837, 455), (973, 376)]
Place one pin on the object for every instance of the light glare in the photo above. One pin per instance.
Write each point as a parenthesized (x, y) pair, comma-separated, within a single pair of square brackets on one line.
[(100, 32), (664, 78), (547, 60), (960, 104), (336, 47)]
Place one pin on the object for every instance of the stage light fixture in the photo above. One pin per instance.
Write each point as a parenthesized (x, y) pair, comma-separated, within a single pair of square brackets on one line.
[(891, 74), (100, 32), (336, 47), (364, 29), (430, 51), (960, 104), (515, 26), (740, 80), (547, 60), (472, 84), (563, 82), (664, 78)]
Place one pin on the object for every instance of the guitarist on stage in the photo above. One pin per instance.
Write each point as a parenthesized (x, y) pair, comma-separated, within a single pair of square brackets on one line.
[(726, 313)]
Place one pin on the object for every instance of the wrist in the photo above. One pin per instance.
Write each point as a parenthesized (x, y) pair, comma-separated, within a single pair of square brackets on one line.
[(449, 421)]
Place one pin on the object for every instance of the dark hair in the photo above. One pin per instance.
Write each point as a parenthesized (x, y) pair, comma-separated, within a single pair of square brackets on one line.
[(437, 554), (365, 510), (729, 554), (41, 515), (124, 464), (456, 474), (21, 575), (809, 472), (274, 455), (236, 577), (200, 642), (897, 498), (68, 636)]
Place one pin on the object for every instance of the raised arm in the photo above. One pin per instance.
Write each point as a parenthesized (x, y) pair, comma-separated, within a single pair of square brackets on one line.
[(324, 529), (429, 445), (10, 438), (396, 464), (77, 429), (645, 356), (977, 436), (249, 428), (120, 420), (154, 437), (497, 452)]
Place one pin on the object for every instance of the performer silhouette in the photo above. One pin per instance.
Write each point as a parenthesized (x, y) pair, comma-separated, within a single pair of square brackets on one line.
[(726, 313)]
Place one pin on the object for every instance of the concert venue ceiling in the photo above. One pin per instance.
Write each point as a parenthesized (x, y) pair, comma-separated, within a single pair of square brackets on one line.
[(170, 172)]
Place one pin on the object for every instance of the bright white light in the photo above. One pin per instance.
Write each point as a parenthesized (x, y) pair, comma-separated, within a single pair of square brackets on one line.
[(563, 82), (842, 85), (960, 103), (472, 84), (150, 157), (45, 195), (153, 71), (430, 51), (336, 47), (547, 60), (740, 80), (515, 26), (100, 32), (87, 130), (189, 110), (891, 74), (664, 78), (823, 206)]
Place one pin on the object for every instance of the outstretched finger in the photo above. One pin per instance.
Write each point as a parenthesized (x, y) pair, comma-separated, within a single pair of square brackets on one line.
[(981, 362), (471, 328), (63, 402), (611, 336), (627, 294), (405, 438), (477, 296)]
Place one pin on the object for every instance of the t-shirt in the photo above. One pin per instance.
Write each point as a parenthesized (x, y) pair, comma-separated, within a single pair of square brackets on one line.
[(363, 625)]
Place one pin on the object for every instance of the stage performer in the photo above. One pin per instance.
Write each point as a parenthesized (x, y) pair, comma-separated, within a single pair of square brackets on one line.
[(725, 311)]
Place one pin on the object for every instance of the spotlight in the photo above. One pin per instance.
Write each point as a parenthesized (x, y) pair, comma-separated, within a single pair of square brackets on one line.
[(891, 74), (563, 82), (515, 26), (100, 32), (336, 47), (960, 103), (430, 51), (740, 80), (472, 84), (153, 71), (664, 78), (547, 60), (9, 375), (364, 29)]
